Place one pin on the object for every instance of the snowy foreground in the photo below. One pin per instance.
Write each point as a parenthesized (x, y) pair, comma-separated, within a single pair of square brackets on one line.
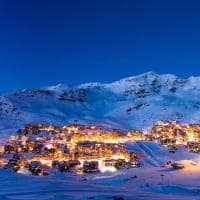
[(154, 180), (132, 103)]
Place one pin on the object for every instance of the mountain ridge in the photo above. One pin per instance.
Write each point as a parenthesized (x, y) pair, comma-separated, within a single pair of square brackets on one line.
[(133, 102)]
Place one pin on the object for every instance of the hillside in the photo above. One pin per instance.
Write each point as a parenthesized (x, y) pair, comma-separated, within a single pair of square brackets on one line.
[(134, 102)]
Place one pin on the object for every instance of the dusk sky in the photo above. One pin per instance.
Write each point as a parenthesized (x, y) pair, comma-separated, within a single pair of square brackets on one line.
[(45, 42)]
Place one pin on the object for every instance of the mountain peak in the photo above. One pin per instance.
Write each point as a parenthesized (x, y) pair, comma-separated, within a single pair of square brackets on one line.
[(58, 87)]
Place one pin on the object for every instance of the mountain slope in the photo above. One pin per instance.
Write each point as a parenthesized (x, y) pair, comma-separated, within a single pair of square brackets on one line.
[(134, 102)]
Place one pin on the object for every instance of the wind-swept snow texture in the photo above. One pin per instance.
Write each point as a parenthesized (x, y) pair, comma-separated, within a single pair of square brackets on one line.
[(134, 102)]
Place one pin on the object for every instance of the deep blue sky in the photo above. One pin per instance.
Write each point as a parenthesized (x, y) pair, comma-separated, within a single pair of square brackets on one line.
[(44, 42)]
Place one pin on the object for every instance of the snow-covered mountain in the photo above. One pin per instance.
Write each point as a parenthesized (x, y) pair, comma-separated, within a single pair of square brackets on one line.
[(134, 102)]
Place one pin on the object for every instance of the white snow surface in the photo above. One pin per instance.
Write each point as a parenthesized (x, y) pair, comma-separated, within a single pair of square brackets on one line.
[(152, 181), (134, 102)]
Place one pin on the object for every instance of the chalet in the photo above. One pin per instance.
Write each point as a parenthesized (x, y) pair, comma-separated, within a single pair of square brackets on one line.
[(37, 168), (133, 163), (90, 167)]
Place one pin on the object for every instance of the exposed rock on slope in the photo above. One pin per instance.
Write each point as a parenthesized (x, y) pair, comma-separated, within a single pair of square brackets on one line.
[(134, 102)]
